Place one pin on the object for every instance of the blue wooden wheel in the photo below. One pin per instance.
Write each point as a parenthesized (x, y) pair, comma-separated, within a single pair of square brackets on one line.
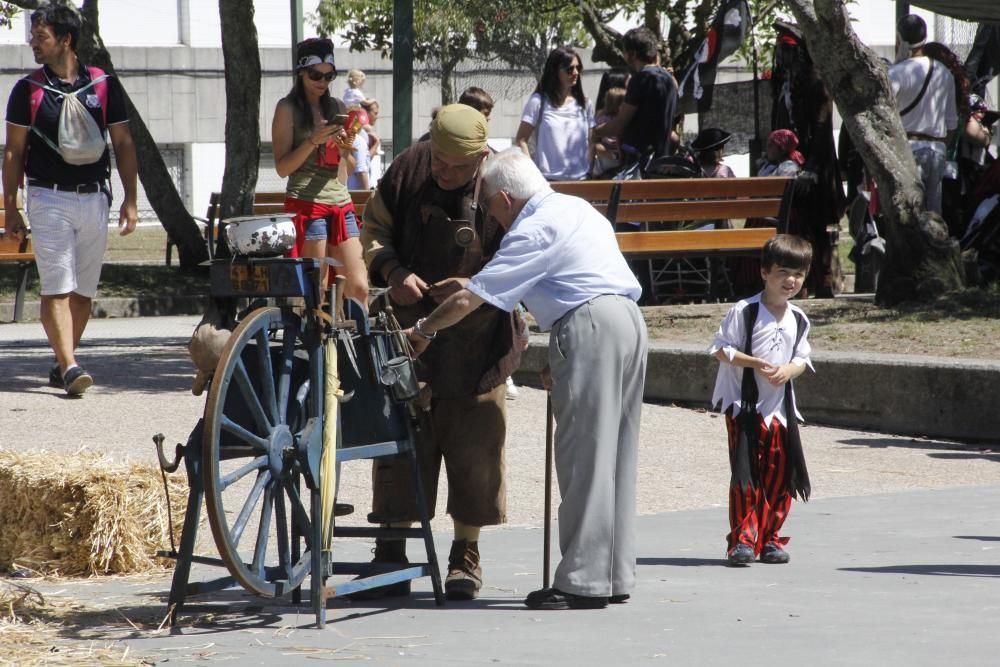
[(260, 444)]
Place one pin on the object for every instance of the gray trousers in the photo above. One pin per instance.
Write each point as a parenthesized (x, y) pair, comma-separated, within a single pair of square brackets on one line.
[(597, 354)]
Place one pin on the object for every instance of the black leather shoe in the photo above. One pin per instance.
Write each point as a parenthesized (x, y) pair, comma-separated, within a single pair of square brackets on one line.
[(773, 554), (741, 554), (619, 599), (553, 598)]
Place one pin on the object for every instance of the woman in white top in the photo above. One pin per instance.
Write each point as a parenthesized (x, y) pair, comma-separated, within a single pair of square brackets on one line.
[(560, 118)]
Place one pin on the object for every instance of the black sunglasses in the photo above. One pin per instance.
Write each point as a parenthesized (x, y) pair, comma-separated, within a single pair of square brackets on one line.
[(316, 75), (569, 69)]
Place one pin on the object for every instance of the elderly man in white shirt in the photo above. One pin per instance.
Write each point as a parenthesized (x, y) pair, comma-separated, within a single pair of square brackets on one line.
[(560, 258)]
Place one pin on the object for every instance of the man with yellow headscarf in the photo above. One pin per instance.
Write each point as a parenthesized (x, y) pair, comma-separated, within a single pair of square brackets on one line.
[(422, 227)]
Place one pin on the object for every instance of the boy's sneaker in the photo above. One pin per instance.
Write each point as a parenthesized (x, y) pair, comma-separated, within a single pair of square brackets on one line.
[(55, 377), (773, 554), (512, 391), (741, 554), (76, 381)]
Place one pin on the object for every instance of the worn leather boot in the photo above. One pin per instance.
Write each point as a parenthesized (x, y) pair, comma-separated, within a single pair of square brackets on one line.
[(465, 576), (387, 551)]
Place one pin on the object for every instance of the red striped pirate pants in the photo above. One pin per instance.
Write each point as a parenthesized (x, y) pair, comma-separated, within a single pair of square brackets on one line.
[(756, 515)]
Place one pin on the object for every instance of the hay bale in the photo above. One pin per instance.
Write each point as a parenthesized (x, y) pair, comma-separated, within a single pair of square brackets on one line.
[(84, 514)]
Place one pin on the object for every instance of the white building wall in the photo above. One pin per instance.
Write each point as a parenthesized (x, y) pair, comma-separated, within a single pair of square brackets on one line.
[(169, 58)]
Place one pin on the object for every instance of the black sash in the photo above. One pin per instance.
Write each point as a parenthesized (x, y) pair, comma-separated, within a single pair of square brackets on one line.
[(747, 444)]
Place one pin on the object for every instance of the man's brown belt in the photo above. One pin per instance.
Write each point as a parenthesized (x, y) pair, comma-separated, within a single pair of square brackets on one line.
[(917, 136)]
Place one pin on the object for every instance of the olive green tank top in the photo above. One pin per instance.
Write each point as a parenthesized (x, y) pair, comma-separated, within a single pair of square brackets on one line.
[(313, 181)]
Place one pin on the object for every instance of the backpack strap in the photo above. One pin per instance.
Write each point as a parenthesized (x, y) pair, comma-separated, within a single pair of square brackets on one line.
[(99, 80), (923, 89), (38, 91)]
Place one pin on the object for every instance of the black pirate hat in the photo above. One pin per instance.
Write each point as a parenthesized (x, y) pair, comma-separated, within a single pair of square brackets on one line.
[(710, 138)]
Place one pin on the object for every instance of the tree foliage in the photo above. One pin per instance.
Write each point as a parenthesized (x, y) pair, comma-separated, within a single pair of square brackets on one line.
[(517, 33)]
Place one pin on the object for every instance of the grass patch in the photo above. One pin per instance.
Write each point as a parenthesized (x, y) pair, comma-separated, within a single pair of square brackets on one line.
[(120, 280)]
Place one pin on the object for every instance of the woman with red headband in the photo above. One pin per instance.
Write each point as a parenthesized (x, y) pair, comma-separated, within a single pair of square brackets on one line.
[(782, 156), (313, 150)]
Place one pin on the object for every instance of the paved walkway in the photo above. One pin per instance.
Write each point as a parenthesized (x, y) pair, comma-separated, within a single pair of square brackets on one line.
[(893, 562)]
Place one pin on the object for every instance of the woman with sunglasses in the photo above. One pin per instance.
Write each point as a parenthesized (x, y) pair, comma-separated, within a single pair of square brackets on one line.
[(313, 150), (560, 119)]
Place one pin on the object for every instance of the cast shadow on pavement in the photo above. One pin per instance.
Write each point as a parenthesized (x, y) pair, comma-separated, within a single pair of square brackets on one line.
[(932, 570), (683, 562), (941, 449), (983, 538), (119, 369)]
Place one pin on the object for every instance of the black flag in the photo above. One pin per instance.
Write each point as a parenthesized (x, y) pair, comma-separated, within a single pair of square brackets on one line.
[(728, 31)]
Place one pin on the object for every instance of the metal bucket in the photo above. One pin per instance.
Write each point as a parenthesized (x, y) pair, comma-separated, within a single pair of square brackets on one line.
[(260, 236)]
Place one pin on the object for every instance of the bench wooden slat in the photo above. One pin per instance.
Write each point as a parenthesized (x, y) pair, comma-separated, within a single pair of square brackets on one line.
[(15, 251), (677, 188), (705, 242), (697, 210)]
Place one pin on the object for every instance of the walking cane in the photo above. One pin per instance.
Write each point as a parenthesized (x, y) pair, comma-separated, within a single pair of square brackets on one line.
[(547, 532)]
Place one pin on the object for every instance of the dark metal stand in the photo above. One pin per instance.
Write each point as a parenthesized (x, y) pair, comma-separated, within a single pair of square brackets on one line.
[(282, 278)]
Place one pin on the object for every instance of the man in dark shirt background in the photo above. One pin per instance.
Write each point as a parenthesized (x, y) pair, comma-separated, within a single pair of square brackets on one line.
[(67, 204), (645, 121)]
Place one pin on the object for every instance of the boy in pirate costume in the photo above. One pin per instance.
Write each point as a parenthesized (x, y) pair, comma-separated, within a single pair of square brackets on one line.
[(762, 345)]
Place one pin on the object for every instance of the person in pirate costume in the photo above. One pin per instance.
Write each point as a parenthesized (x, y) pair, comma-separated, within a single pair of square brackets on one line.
[(763, 344), (803, 105), (421, 227)]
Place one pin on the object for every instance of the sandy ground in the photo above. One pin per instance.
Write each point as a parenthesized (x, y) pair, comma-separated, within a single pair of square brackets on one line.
[(143, 387)]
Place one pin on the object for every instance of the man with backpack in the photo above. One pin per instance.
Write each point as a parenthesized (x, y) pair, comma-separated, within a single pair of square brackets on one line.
[(57, 121)]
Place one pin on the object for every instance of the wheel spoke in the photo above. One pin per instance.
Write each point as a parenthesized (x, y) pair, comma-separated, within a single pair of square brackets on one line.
[(241, 521), (285, 373), (263, 530), (266, 374), (299, 513), (281, 527), (232, 428), (241, 472), (242, 378)]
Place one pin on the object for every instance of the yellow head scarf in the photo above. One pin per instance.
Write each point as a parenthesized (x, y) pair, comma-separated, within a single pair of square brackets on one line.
[(459, 130)]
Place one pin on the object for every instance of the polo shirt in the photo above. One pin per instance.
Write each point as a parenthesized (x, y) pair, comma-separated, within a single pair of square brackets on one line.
[(44, 163)]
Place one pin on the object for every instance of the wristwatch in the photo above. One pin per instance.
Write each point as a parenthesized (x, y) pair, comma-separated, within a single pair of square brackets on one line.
[(418, 328)]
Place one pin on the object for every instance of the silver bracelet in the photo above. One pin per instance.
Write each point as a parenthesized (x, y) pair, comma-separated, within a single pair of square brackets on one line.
[(418, 328)]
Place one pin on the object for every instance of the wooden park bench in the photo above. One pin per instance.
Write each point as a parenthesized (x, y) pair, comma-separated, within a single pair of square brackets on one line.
[(20, 253), (655, 206), (264, 203), (652, 205)]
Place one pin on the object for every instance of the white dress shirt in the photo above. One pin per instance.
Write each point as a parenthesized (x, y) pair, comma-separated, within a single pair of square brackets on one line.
[(558, 254), (772, 341)]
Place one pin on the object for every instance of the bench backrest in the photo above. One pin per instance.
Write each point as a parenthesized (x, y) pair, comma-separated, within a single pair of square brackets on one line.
[(269, 203), (665, 200)]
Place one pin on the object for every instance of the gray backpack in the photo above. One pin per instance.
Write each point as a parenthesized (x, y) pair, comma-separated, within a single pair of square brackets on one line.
[(80, 138)]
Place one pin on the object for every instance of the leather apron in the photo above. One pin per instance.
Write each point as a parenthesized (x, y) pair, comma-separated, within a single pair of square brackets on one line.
[(445, 237)]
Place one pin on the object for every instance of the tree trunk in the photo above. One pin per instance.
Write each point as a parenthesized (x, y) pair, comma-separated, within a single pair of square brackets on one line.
[(242, 65), (922, 262), (159, 187), (448, 81)]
